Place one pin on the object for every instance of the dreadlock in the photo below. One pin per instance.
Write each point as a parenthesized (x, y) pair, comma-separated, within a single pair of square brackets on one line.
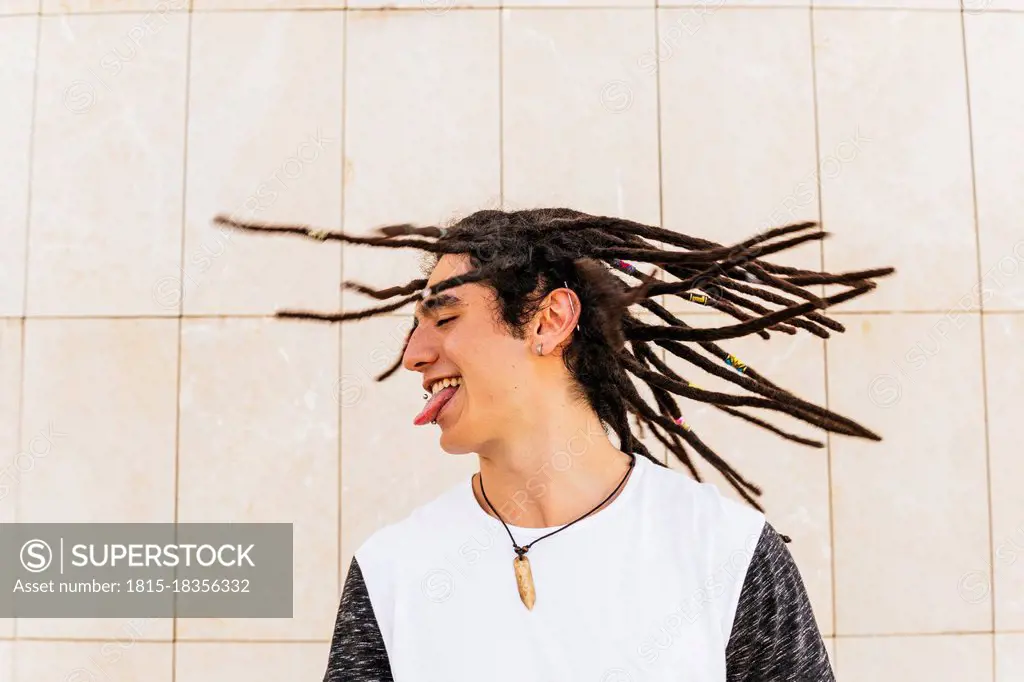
[(524, 255)]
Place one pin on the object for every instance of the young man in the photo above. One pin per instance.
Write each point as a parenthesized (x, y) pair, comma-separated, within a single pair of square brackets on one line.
[(568, 556)]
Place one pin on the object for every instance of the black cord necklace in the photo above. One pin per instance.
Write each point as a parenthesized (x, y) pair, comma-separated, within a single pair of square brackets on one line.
[(521, 564)]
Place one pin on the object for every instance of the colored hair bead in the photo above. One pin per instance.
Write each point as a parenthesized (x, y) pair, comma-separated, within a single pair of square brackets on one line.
[(682, 422), (736, 364), (698, 298), (628, 267), (319, 234)]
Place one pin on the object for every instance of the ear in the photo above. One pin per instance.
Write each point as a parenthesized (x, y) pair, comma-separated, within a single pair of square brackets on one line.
[(557, 318)]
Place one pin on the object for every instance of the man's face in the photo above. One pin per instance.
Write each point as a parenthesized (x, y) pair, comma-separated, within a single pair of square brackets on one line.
[(461, 336)]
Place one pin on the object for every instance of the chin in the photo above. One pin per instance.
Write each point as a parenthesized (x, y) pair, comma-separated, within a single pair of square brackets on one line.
[(455, 447), (454, 443)]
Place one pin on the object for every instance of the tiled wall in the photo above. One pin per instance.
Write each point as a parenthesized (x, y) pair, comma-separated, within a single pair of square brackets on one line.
[(142, 378)]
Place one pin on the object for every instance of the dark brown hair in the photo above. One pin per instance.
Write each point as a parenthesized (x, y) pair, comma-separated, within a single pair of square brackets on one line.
[(524, 255)]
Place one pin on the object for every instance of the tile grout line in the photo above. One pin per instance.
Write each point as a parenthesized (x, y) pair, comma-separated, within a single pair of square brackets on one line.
[(19, 429), (269, 316), (233, 640), (663, 299), (542, 7), (341, 296), (662, 353), (501, 108), (824, 342), (181, 321), (981, 329)]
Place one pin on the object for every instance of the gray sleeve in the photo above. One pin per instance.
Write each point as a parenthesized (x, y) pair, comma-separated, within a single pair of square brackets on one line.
[(774, 635), (357, 648)]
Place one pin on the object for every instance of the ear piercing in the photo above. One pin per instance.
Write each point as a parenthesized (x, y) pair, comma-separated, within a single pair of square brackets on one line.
[(540, 349), (571, 306)]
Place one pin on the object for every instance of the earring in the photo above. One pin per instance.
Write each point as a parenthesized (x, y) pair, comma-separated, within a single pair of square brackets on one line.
[(540, 349)]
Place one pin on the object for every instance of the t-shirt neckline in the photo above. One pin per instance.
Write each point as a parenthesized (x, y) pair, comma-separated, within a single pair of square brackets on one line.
[(524, 534)]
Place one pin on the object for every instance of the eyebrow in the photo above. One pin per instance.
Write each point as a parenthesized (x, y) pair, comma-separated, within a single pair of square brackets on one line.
[(431, 306)]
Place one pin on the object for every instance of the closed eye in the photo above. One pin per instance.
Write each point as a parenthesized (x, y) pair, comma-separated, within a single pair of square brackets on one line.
[(441, 323)]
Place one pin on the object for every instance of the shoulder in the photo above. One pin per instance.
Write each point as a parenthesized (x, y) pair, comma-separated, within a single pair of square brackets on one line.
[(702, 508), (713, 538), (408, 537)]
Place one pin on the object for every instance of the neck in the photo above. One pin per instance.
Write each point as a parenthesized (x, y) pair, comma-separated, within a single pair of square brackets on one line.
[(553, 470)]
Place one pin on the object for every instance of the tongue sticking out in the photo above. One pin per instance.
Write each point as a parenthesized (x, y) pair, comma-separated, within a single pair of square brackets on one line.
[(434, 405)]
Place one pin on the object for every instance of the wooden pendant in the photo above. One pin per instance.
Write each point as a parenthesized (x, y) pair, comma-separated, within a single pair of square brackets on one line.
[(524, 581)]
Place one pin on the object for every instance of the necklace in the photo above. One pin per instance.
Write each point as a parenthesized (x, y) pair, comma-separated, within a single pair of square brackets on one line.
[(521, 564)]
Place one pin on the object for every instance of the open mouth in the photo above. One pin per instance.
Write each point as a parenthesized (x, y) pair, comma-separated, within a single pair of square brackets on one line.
[(442, 391)]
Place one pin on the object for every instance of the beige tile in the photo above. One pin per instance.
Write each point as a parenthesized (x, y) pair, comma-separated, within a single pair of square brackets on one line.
[(918, 498), (7, 659), (98, 394), (896, 80), (258, 662), (443, 162), (794, 477), (257, 409), (941, 658), (119, 660), (737, 131), (18, 52), (9, 7), (979, 6), (204, 5), (107, 170), (997, 98), (580, 116), (264, 145), (388, 465), (1009, 658), (99, 418), (1004, 367), (886, 4), (579, 4), (430, 7), (154, 7), (13, 464), (701, 11)]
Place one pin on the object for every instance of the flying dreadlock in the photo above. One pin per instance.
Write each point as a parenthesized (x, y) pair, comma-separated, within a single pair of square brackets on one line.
[(524, 255)]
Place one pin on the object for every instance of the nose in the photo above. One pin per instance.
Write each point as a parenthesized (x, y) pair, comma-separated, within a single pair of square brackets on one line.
[(421, 351)]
